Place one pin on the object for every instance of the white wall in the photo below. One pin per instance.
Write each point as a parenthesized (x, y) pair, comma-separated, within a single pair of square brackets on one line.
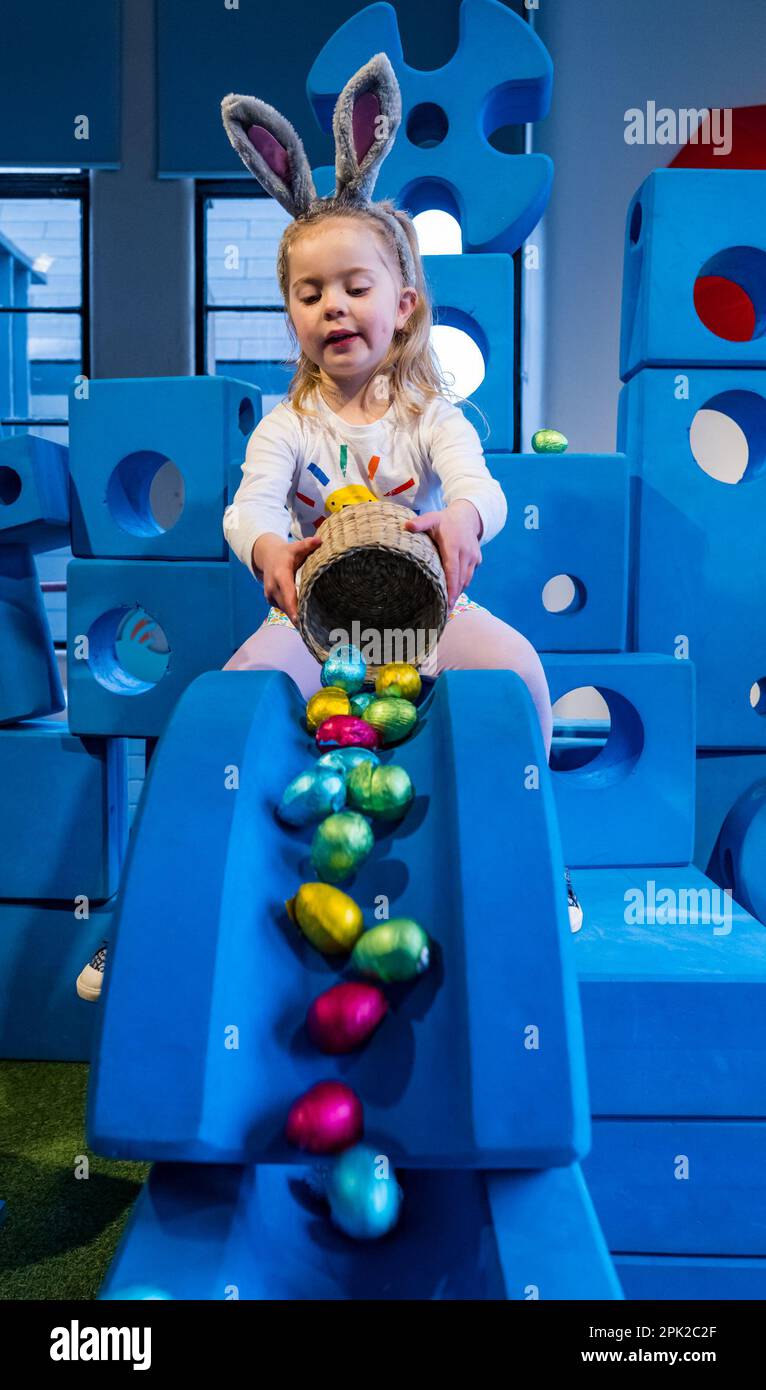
[(610, 55)]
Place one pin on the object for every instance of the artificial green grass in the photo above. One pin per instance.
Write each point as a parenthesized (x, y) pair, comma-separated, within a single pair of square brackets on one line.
[(60, 1231)]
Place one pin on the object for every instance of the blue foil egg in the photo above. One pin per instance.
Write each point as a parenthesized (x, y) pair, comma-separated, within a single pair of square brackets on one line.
[(312, 795), (346, 759), (361, 700), (363, 1193), (346, 667)]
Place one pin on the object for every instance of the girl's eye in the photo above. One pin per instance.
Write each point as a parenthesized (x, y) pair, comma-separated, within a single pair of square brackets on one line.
[(358, 291)]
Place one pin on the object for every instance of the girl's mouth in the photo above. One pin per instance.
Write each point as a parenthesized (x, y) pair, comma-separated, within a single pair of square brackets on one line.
[(340, 342)]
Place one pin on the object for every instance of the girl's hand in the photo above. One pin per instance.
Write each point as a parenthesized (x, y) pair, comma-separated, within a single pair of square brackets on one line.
[(455, 532), (278, 560)]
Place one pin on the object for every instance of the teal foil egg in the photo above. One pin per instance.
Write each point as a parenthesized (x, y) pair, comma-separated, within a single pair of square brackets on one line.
[(395, 950), (312, 795), (361, 700), (364, 1196), (346, 667), (385, 792), (345, 759), (340, 844)]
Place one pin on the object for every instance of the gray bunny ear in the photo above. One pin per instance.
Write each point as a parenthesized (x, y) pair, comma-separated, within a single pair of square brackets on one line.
[(367, 115), (271, 149)]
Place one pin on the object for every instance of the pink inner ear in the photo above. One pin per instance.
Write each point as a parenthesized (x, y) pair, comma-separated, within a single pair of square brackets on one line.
[(366, 112), (275, 154)]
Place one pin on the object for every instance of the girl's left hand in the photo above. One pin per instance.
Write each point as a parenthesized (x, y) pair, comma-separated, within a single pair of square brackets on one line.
[(455, 532)]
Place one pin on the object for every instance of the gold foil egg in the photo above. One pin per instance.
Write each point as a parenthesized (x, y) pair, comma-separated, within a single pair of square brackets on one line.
[(328, 918), (331, 699), (401, 675)]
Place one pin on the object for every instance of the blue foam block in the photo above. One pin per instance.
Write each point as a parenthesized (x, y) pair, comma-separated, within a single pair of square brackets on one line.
[(680, 223), (453, 1076), (557, 506), (78, 789), (475, 294), (740, 852), (634, 802), (721, 779), (42, 951), (689, 526), (249, 607), (684, 1277), (213, 1232), (130, 674), (34, 492), (673, 1011), (119, 439), (500, 74), (679, 1186), (30, 684)]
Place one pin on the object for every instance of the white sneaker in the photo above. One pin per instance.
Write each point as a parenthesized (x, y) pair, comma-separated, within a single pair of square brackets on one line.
[(91, 978), (575, 911)]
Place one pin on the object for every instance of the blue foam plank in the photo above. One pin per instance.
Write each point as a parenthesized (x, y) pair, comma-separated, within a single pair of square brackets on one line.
[(152, 627), (260, 1232), (673, 1011), (682, 222), (453, 1077), (634, 802), (121, 436), (679, 1186), (722, 777), (34, 492), (30, 684), (475, 294), (683, 1277), (500, 74), (43, 948), (740, 852), (77, 788), (689, 525), (557, 506)]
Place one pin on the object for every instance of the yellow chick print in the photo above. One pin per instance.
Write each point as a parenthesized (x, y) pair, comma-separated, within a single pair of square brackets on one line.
[(348, 496)]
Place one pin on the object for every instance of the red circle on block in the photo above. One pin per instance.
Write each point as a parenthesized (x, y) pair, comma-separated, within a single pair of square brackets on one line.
[(725, 308)]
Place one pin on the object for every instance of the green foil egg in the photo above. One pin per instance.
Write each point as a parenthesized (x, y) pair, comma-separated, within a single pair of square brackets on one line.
[(549, 442), (341, 843), (395, 950), (394, 717), (384, 791)]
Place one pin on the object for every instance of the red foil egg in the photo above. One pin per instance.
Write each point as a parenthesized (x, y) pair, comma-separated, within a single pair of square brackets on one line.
[(345, 1016), (346, 731), (325, 1119)]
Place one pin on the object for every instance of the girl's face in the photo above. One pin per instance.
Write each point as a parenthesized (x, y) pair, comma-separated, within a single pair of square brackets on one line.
[(341, 282)]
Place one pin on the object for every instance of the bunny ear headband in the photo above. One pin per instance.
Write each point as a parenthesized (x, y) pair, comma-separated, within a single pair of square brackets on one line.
[(367, 115)]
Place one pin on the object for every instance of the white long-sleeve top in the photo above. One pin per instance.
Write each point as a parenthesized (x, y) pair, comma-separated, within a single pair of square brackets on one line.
[(293, 464)]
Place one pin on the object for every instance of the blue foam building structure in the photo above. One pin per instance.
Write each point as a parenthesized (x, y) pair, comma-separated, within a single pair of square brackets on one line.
[(34, 492), (30, 683)]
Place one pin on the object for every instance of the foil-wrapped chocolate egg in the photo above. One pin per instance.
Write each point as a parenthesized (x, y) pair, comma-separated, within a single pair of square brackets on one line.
[(345, 731), (395, 950), (384, 791), (328, 918), (311, 795), (345, 1016), (345, 667), (341, 843), (361, 700), (394, 717), (549, 442), (364, 1196), (344, 759), (332, 699), (398, 678), (325, 1119)]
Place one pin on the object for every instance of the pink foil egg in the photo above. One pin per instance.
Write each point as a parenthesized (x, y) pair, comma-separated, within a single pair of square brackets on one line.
[(325, 1119), (346, 731), (345, 1016)]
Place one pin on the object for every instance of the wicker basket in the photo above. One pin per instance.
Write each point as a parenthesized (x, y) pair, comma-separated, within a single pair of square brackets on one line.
[(370, 571)]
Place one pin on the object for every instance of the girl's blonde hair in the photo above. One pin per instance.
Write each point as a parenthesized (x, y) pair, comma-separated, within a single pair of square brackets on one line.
[(410, 368)]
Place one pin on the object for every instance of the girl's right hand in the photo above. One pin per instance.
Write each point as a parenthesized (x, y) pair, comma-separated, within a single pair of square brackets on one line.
[(278, 560)]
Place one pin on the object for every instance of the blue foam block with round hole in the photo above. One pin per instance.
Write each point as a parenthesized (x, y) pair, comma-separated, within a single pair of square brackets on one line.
[(30, 683), (567, 518), (34, 492), (263, 1232), (633, 803), (126, 502), (454, 1076), (681, 223), (698, 553)]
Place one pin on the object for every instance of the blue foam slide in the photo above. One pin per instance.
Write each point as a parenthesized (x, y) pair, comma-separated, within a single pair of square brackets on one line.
[(34, 492), (722, 777), (683, 1277), (740, 851), (30, 684), (673, 1011), (202, 1047), (261, 1232)]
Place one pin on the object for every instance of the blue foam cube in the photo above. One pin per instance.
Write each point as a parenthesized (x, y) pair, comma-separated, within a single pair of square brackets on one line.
[(34, 492), (30, 684)]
